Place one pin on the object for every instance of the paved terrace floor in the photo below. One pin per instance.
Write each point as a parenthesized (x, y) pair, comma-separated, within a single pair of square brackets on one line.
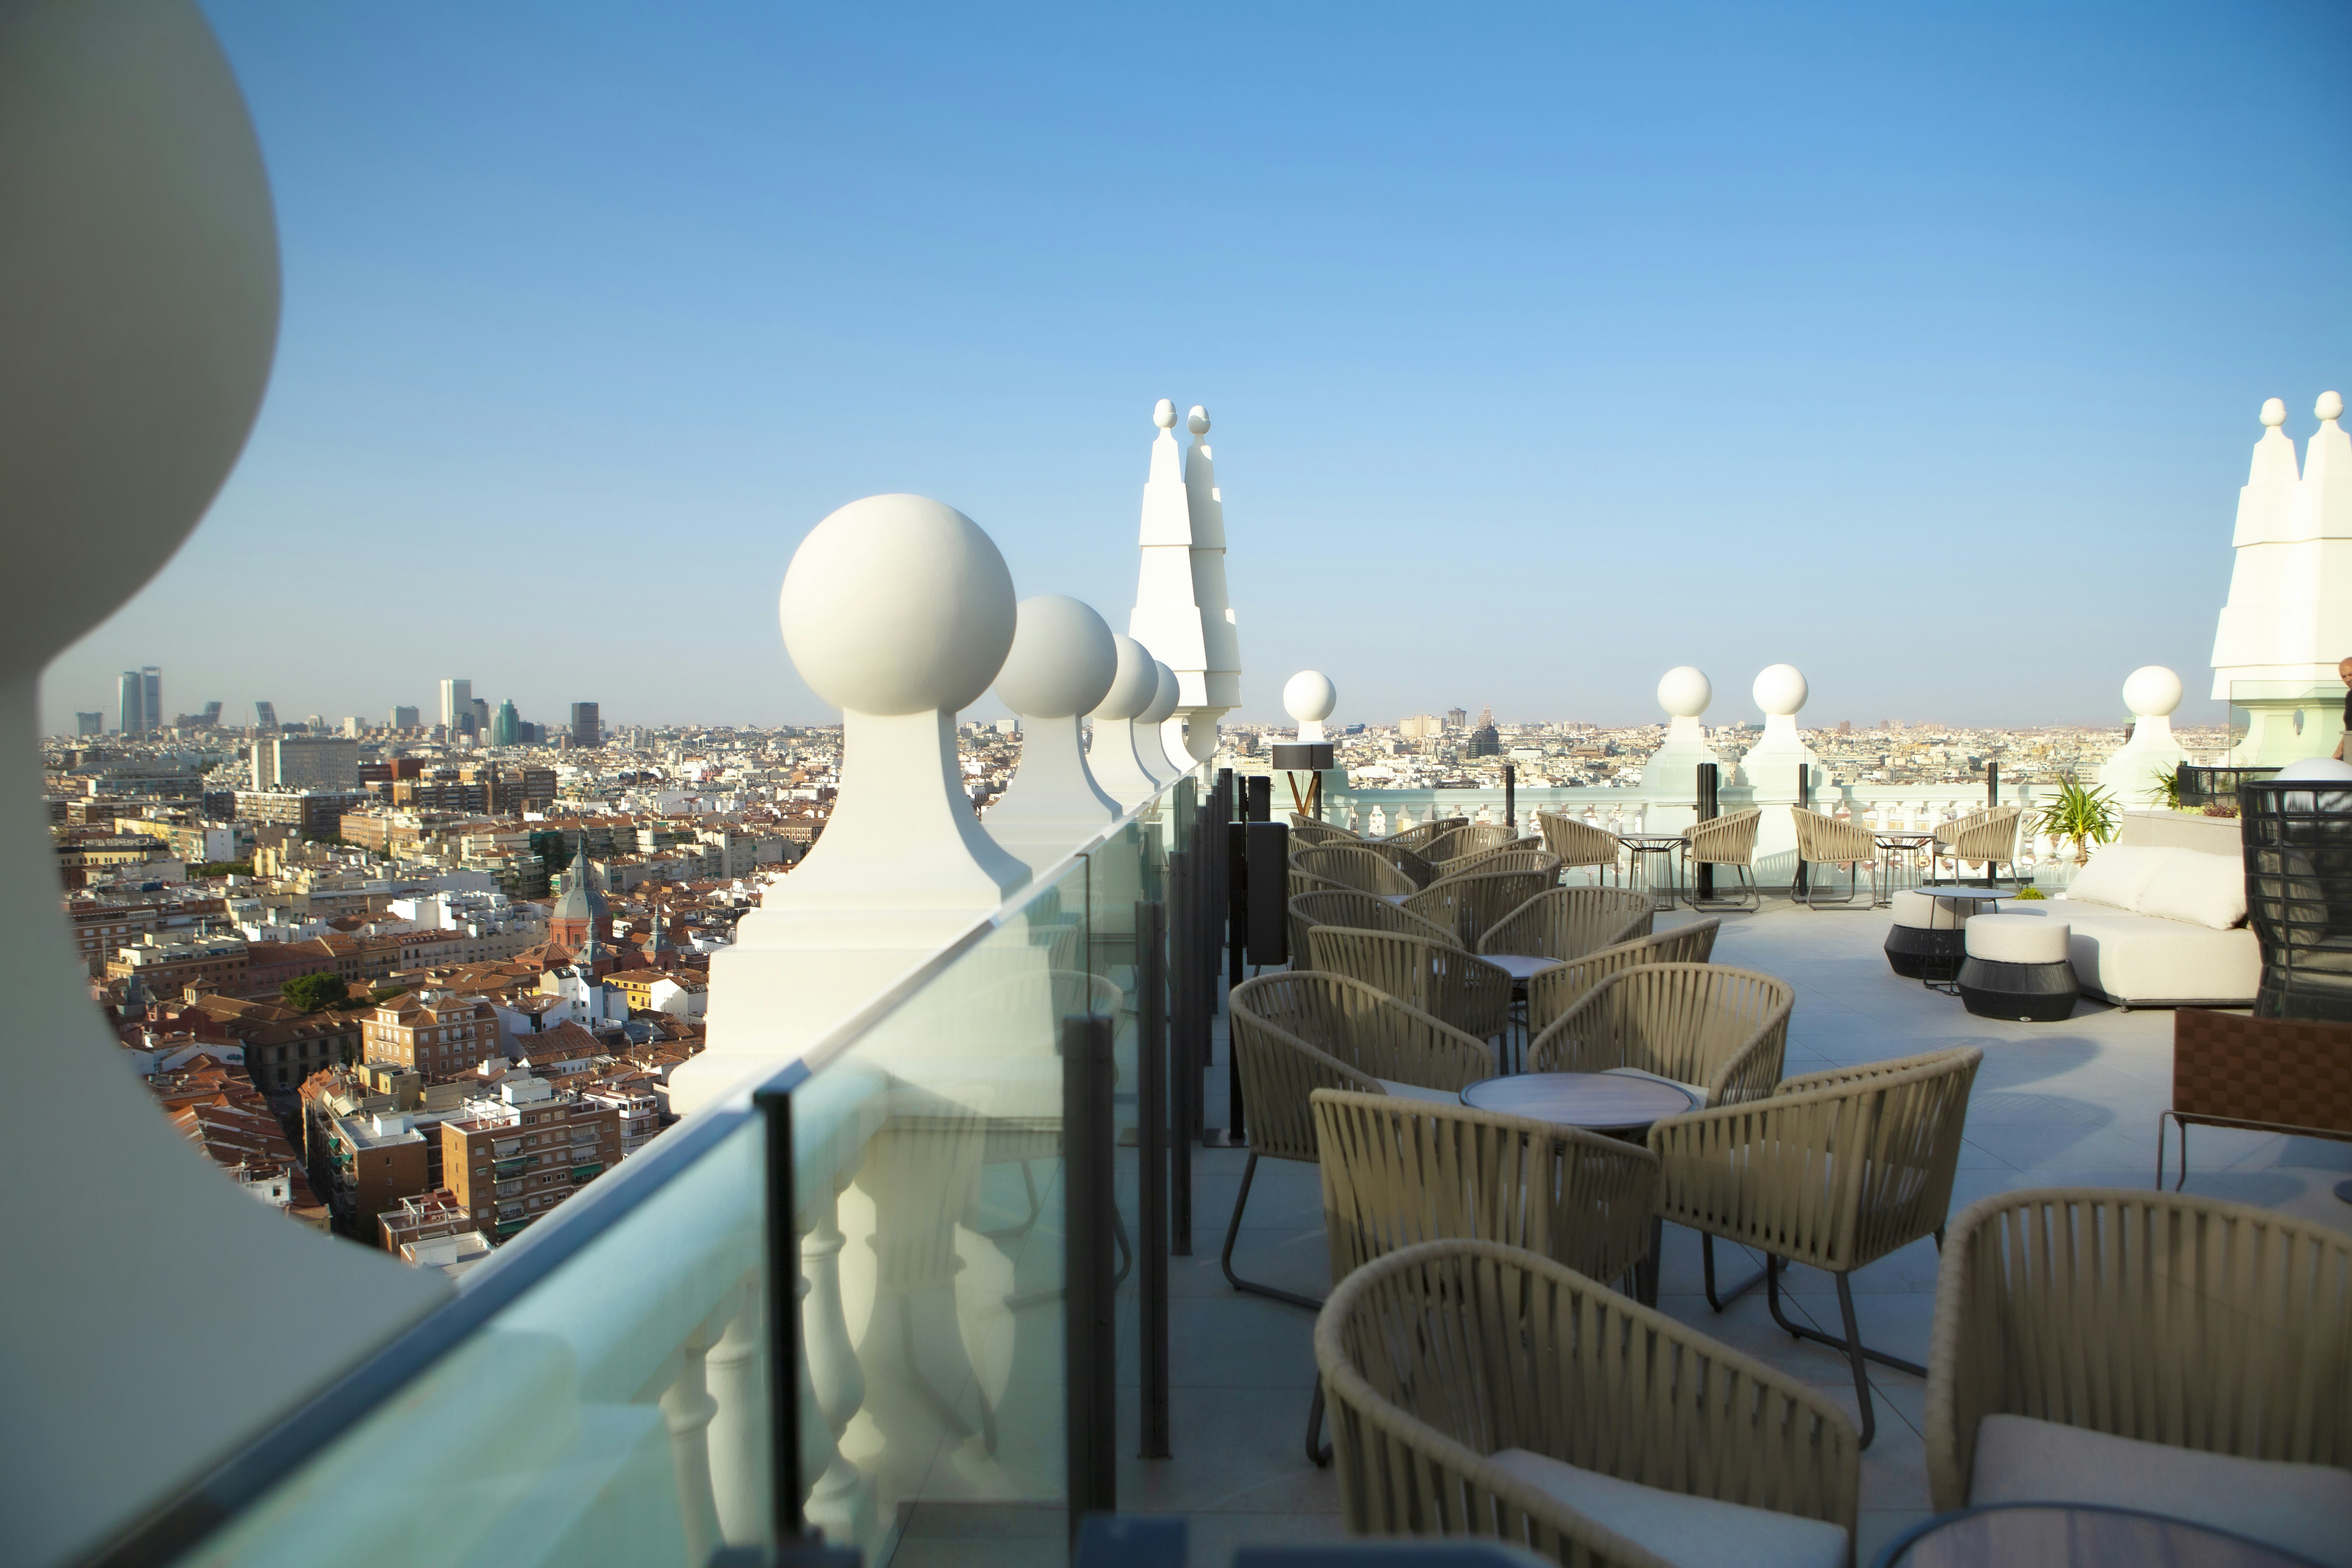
[(2055, 1104)]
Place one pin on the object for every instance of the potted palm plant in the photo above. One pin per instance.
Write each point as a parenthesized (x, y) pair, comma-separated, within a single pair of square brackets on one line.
[(2084, 813)]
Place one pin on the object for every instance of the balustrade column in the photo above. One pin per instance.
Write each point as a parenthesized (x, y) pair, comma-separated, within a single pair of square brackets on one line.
[(736, 1371), (842, 1502), (688, 1407)]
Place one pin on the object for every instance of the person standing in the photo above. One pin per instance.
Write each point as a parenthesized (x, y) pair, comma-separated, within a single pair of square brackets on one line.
[(2344, 669)]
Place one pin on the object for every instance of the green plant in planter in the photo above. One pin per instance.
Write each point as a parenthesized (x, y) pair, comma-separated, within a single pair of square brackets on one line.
[(2168, 787), (2084, 813), (2033, 895)]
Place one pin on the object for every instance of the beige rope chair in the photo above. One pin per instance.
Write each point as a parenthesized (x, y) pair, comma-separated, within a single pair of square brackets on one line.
[(2215, 1328), (1725, 841), (1988, 838), (1417, 871), (1717, 1031), (1467, 1377), (1294, 1033), (1306, 831), (1398, 1172), (1419, 837), (1302, 884), (1826, 841), (1554, 991), (1433, 976), (1356, 865), (1471, 836), (1569, 923), (1359, 911), (1577, 841), (1835, 1169), (1470, 905), (1521, 856)]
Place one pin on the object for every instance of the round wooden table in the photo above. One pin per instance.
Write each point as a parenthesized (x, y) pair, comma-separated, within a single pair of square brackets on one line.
[(1597, 1101), (2078, 1535)]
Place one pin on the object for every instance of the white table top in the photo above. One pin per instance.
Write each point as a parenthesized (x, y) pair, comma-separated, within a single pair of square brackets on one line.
[(1520, 965)]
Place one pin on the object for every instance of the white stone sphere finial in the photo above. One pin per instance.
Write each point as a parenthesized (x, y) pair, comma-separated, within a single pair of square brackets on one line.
[(898, 604), (2275, 412), (1685, 691), (2330, 405), (1063, 659), (2152, 691), (1780, 690), (1310, 697), (1164, 414), (1135, 685), (1197, 421), (1164, 701)]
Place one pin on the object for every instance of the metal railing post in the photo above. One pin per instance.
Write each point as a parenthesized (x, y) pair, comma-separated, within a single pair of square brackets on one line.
[(1184, 1082), (1709, 808), (1090, 1210), (1152, 1172)]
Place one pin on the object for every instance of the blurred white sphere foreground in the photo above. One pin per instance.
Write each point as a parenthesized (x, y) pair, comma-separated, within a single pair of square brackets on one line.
[(2315, 770), (1063, 659), (898, 604), (2152, 691), (1780, 689), (1310, 697), (1685, 691), (1135, 685)]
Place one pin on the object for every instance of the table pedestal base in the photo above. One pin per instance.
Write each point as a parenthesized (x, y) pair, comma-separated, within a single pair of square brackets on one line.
[(2029, 993), (1915, 952)]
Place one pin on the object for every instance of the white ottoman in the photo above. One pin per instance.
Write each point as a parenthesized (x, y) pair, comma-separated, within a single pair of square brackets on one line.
[(2016, 967), (1925, 942)]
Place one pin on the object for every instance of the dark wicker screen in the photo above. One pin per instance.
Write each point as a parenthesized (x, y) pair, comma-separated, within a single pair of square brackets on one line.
[(2298, 850)]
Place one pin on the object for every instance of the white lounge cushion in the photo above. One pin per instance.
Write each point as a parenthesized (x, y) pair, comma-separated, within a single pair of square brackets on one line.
[(2305, 1508), (1921, 912), (1414, 1092), (2017, 939), (1689, 1531), (1698, 1091), (2203, 889), (2137, 958), (2118, 874)]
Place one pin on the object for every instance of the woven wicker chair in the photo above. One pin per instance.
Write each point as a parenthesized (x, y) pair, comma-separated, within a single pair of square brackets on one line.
[(1725, 841), (1359, 911), (2208, 1326), (1455, 1367), (1554, 991), (1521, 855), (1434, 975), (1987, 837), (1835, 1169), (1356, 865), (1826, 841), (1306, 831), (1577, 841), (1569, 923), (1294, 1033), (1419, 837), (1417, 871), (1472, 905), (1471, 836), (1719, 1032), (1302, 884)]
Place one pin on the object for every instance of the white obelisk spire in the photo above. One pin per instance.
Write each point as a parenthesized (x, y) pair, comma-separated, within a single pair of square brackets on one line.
[(1222, 675), (1167, 617)]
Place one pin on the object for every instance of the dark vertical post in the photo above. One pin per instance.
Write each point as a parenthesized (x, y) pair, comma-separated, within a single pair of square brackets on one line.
[(1709, 808), (1184, 1078), (784, 1310), (1237, 877), (1090, 1208), (1259, 806), (1993, 784), (1153, 1169), (1511, 796), (1269, 925), (1805, 799)]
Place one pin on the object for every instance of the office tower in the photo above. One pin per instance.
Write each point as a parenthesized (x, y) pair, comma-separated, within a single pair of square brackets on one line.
[(405, 717), (211, 716), (89, 723), (151, 682), (456, 701), (299, 763), (506, 730), (587, 726), (131, 703), (478, 715), (350, 726), (265, 715)]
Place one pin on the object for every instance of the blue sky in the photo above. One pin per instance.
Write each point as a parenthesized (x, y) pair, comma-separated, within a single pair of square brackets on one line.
[(1548, 347)]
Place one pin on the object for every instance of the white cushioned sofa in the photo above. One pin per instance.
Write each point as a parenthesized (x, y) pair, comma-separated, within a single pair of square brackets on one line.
[(2158, 924)]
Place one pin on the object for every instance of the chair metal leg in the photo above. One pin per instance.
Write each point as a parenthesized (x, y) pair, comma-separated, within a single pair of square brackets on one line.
[(1319, 1453), (1851, 1345), (1233, 1229), (1707, 1258)]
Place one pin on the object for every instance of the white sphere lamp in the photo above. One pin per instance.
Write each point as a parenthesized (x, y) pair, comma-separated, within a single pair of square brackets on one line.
[(1118, 767), (1062, 665), (1308, 697)]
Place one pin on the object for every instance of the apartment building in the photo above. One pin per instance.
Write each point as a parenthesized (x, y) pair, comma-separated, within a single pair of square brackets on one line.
[(168, 967), (511, 1158), (433, 1034), (376, 1161)]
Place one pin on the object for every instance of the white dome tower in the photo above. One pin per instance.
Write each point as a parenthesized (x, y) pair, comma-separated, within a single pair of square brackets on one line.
[(1180, 612), (2289, 616)]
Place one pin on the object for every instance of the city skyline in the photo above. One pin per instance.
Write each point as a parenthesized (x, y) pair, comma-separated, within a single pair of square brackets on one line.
[(1712, 338)]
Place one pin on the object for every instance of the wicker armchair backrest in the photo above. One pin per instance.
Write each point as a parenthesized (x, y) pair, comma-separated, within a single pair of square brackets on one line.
[(1576, 841), (2170, 1319), (1356, 865), (1471, 904), (1569, 922), (1553, 992), (1438, 1355), (1988, 834), (1725, 840), (1309, 830), (1397, 1172), (1419, 837), (1434, 975), (1825, 838), (1346, 907), (1295, 1032), (1695, 1023), (1522, 855), (1417, 871)]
